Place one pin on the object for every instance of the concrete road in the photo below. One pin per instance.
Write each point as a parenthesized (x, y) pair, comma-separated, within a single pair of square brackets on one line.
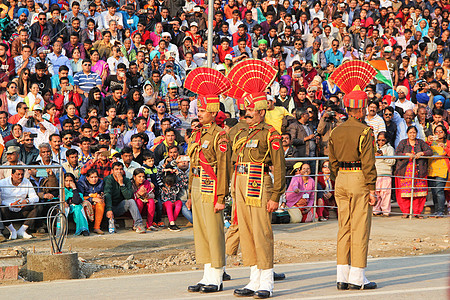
[(416, 277)]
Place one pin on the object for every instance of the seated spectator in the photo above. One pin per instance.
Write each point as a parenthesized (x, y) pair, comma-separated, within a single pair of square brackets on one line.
[(50, 114), (117, 101), (16, 193), (172, 205), (74, 201), (86, 80), (119, 197), (413, 148), (71, 112), (300, 192), (438, 168), (10, 99), (100, 162), (59, 59), (289, 151), (37, 126), (33, 98), (144, 195), (118, 79), (15, 135), (141, 128), (12, 157), (71, 165), (326, 197), (384, 173), (128, 164), (5, 127), (162, 150), (66, 95), (91, 186), (63, 72)]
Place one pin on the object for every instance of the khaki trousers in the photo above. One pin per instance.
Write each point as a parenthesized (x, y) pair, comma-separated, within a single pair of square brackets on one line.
[(355, 215), (255, 228), (232, 235), (209, 235)]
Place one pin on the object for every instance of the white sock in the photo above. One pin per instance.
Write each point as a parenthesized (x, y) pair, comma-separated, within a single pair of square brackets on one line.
[(266, 281), (13, 231), (171, 223), (206, 276), (215, 276), (22, 229), (357, 276), (342, 272), (255, 275)]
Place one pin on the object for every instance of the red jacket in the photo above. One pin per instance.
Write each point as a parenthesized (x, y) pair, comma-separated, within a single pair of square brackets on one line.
[(58, 99)]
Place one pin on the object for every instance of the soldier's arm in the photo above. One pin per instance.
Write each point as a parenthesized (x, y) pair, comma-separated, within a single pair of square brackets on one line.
[(279, 166), (334, 164), (367, 148), (223, 156)]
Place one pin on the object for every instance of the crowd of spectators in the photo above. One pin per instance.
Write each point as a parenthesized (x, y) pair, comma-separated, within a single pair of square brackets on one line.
[(98, 87)]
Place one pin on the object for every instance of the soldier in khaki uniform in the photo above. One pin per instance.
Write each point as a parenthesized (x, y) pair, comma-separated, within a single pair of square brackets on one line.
[(256, 147), (208, 185), (352, 161)]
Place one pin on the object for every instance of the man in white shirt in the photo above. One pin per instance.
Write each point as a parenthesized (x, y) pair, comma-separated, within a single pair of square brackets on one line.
[(17, 193), (170, 76), (128, 164), (402, 102), (115, 59), (37, 125), (112, 14), (234, 22), (373, 120)]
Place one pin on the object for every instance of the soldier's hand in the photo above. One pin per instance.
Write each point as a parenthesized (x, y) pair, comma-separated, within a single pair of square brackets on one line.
[(272, 206), (189, 204), (373, 198), (218, 207)]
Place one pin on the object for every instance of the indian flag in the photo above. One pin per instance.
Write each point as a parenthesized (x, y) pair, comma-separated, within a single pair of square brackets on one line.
[(383, 74)]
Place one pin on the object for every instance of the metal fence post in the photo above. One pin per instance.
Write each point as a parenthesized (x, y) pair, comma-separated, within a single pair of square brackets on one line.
[(412, 189), (315, 189), (61, 190)]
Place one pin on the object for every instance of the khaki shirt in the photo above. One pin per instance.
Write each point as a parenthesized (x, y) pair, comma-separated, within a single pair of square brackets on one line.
[(353, 141), (261, 144), (214, 145)]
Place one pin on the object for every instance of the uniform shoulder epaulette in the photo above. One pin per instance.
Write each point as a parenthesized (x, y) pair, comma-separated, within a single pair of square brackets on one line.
[(271, 129), (223, 132), (275, 136)]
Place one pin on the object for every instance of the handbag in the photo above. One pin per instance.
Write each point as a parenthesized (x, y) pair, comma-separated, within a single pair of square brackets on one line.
[(88, 210), (280, 217)]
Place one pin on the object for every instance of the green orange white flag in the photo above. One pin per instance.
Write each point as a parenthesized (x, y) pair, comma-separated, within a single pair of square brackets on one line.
[(383, 74)]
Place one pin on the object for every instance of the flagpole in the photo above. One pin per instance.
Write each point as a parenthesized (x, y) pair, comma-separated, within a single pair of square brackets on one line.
[(210, 32)]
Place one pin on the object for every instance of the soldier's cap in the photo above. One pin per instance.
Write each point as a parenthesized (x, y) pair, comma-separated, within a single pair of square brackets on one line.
[(355, 99), (297, 165), (13, 149)]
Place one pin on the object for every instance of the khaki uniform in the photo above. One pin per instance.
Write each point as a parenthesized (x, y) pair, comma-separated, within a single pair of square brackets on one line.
[(352, 162), (232, 235), (254, 150), (208, 226)]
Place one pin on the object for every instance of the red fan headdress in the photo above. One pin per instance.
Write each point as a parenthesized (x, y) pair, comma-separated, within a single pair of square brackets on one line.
[(208, 84), (254, 77), (237, 93), (352, 77)]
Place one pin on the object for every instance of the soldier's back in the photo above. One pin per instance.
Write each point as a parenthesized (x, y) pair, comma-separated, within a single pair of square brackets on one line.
[(346, 140)]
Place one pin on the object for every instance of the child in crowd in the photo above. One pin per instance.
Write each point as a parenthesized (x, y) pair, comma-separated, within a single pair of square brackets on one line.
[(169, 198), (182, 171), (151, 174)]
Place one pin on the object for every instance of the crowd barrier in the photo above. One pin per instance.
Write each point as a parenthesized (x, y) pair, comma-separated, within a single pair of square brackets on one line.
[(60, 200), (315, 175)]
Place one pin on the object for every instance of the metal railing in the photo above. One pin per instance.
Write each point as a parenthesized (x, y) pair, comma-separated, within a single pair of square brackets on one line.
[(324, 158), (61, 201)]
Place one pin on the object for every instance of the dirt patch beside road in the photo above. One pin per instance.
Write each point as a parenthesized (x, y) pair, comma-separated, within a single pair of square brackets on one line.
[(129, 253)]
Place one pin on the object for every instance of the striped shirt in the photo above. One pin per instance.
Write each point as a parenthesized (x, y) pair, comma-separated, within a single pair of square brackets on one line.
[(87, 82), (377, 124)]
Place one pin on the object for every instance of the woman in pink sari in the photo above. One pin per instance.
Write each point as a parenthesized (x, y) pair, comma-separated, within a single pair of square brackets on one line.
[(99, 66), (301, 191)]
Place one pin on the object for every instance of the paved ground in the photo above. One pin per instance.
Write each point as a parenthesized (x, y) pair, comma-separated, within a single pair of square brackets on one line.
[(415, 277)]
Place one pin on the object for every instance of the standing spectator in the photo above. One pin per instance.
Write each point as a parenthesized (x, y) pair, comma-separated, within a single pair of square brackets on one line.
[(289, 151), (384, 173), (119, 197), (438, 169), (413, 148), (373, 119), (302, 133)]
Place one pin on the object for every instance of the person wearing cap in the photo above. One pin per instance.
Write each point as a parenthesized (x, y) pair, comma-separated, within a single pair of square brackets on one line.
[(112, 14), (193, 34), (402, 102), (172, 48), (352, 161), (12, 157), (210, 163)]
